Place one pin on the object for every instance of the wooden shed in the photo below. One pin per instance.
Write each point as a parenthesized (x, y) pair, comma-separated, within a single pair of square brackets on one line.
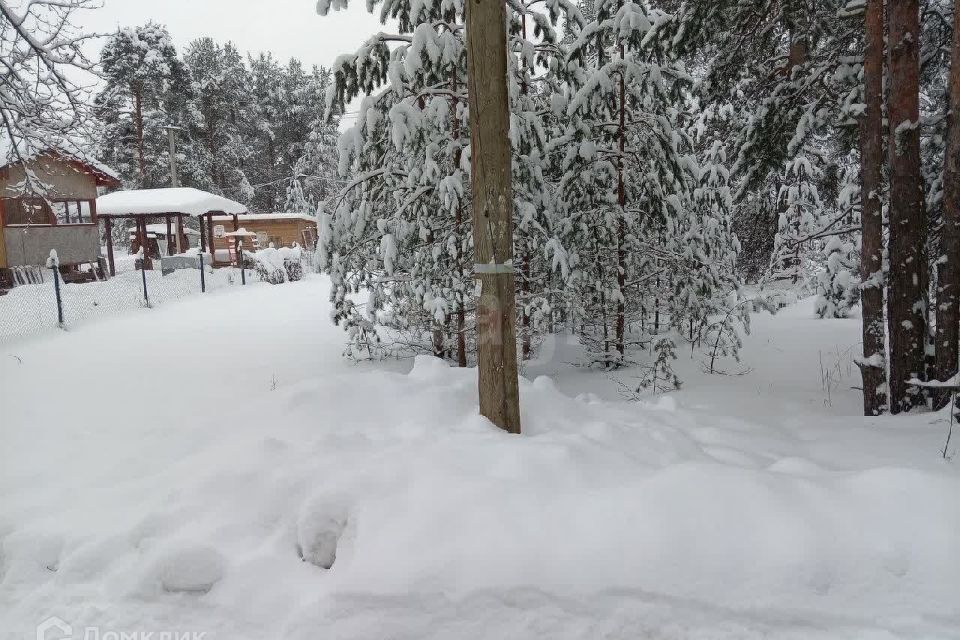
[(55, 209), (277, 229)]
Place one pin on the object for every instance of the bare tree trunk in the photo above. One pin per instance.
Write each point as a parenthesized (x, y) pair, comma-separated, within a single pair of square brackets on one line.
[(492, 189), (873, 366), (621, 226), (906, 299), (461, 313), (438, 340), (948, 276), (526, 347), (138, 121)]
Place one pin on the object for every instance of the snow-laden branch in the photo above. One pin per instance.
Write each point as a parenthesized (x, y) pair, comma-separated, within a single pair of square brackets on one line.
[(42, 103)]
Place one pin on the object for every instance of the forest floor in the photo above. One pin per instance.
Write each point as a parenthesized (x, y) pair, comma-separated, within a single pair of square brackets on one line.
[(185, 469)]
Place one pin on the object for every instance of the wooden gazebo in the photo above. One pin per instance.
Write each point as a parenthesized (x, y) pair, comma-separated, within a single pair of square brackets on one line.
[(171, 205)]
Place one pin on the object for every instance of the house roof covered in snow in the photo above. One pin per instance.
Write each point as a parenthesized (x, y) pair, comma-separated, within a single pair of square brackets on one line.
[(14, 154), (149, 202), (269, 216)]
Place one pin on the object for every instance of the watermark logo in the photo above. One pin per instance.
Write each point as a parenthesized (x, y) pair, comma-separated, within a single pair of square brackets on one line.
[(54, 628)]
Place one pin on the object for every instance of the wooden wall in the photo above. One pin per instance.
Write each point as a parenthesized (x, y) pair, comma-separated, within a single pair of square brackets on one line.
[(283, 232), (66, 180)]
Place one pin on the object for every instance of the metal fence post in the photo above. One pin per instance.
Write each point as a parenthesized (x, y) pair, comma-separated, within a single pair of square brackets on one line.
[(56, 289), (203, 282), (143, 275), (53, 263)]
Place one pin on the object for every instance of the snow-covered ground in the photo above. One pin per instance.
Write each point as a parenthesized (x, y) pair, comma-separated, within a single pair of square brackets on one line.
[(187, 469)]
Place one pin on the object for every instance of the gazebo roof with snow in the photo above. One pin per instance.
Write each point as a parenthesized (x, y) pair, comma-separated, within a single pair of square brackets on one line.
[(167, 201)]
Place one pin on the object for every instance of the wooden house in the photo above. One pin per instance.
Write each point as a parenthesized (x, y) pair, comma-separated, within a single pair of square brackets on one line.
[(48, 202), (277, 229)]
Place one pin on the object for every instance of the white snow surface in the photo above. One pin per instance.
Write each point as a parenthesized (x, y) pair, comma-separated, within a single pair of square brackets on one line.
[(752, 506), (185, 200)]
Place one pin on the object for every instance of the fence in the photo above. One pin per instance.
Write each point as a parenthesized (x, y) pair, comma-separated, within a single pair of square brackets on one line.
[(34, 308)]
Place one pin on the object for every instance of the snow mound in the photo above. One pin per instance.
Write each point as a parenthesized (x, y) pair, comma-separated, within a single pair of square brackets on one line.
[(190, 568), (321, 524)]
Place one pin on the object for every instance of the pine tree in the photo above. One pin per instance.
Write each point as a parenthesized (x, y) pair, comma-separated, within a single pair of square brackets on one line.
[(220, 107), (142, 76), (659, 376), (401, 227)]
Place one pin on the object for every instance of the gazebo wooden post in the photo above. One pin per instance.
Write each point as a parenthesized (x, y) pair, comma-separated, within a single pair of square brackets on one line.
[(169, 235), (203, 237), (181, 240), (236, 239), (213, 246), (108, 230), (144, 244)]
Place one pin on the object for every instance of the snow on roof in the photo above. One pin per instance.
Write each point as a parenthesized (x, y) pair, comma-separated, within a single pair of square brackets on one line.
[(269, 216), (145, 202), (12, 154)]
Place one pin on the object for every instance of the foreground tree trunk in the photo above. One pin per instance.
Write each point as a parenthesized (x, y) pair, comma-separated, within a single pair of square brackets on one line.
[(873, 365), (948, 276), (906, 299), (491, 178)]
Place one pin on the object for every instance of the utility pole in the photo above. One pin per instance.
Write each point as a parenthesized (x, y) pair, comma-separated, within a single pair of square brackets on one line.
[(492, 212), (172, 137), (174, 182)]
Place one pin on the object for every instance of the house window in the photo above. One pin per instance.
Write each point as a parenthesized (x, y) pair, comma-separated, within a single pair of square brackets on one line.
[(26, 211)]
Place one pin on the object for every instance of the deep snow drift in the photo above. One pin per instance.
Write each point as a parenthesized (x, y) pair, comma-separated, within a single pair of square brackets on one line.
[(193, 467)]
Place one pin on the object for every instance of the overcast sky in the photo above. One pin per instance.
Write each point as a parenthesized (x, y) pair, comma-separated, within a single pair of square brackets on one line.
[(287, 28)]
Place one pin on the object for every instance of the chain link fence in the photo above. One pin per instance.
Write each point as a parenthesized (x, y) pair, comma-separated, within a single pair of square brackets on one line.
[(34, 308)]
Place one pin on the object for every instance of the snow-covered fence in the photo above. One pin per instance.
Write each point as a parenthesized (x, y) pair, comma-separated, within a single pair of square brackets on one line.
[(31, 309), (35, 308)]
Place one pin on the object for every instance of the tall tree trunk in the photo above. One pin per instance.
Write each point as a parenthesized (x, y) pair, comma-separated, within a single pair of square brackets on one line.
[(906, 299), (526, 346), (438, 340), (873, 365), (621, 226), (948, 276), (797, 25), (457, 154), (138, 122), (492, 189), (214, 161)]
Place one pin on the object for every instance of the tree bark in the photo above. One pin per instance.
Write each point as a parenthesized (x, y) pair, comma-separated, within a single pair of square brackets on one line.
[(621, 226), (493, 212), (138, 123), (457, 154), (906, 300), (873, 366), (948, 275), (796, 23), (526, 345)]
